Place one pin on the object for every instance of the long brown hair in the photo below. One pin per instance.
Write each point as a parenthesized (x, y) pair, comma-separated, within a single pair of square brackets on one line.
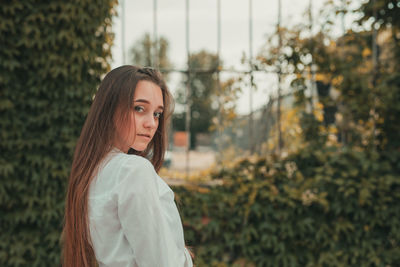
[(114, 96)]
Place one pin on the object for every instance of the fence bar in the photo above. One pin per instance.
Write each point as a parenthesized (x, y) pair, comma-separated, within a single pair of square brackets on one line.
[(251, 134), (278, 113), (155, 36), (188, 93), (123, 31), (374, 71)]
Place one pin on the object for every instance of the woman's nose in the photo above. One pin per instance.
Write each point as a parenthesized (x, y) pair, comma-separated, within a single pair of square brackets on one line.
[(150, 122)]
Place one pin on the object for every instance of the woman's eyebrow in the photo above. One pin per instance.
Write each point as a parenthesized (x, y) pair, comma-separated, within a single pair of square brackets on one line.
[(147, 102)]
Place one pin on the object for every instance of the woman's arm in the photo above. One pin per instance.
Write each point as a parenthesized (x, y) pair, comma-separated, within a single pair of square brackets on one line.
[(143, 222)]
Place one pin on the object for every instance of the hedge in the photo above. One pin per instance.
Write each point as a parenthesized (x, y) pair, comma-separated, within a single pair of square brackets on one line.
[(323, 207), (52, 56)]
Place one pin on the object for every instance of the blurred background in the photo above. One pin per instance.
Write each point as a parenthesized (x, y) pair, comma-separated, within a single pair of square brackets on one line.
[(284, 144), (240, 71)]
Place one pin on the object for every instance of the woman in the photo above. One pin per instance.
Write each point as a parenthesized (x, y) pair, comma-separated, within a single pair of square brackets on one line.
[(119, 212)]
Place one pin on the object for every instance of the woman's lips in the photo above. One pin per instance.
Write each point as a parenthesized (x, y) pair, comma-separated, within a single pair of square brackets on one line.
[(147, 136)]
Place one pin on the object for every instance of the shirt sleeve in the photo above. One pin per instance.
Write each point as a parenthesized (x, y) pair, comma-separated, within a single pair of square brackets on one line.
[(142, 220)]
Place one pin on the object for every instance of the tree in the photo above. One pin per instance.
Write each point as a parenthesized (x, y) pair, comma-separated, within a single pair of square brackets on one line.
[(142, 53), (52, 57), (204, 85)]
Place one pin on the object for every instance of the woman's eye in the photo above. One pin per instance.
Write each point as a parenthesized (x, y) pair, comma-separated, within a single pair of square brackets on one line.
[(139, 108), (157, 114)]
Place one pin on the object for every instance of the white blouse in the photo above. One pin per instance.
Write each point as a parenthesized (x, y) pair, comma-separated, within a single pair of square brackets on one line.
[(133, 218)]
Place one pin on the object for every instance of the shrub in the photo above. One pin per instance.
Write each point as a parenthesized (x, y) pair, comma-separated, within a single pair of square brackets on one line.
[(323, 207), (51, 58)]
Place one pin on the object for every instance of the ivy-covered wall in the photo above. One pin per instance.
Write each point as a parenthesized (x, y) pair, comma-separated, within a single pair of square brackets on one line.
[(318, 207), (52, 55)]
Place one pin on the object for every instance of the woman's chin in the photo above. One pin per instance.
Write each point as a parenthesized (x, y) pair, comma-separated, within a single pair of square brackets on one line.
[(139, 148)]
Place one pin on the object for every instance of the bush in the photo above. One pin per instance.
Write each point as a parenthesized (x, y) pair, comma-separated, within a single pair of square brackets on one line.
[(51, 58), (321, 207)]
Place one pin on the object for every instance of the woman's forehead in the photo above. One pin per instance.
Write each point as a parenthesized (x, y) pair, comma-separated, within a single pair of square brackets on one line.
[(149, 92)]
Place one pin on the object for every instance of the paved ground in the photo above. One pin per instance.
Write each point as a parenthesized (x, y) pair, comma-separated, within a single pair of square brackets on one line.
[(197, 160)]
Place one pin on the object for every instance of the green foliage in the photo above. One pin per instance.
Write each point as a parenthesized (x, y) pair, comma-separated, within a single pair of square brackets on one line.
[(318, 207), (387, 19), (51, 58), (358, 97)]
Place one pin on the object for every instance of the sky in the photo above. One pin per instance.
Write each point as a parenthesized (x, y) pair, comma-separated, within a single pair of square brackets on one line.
[(203, 33)]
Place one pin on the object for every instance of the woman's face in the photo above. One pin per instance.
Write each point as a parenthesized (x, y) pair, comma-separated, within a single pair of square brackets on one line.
[(148, 105)]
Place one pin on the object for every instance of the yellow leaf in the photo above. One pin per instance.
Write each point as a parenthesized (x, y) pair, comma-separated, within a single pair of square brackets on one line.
[(366, 52)]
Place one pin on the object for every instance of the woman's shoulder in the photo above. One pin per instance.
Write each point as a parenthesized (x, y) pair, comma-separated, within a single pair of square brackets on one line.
[(121, 170), (130, 162), (134, 175), (128, 167)]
